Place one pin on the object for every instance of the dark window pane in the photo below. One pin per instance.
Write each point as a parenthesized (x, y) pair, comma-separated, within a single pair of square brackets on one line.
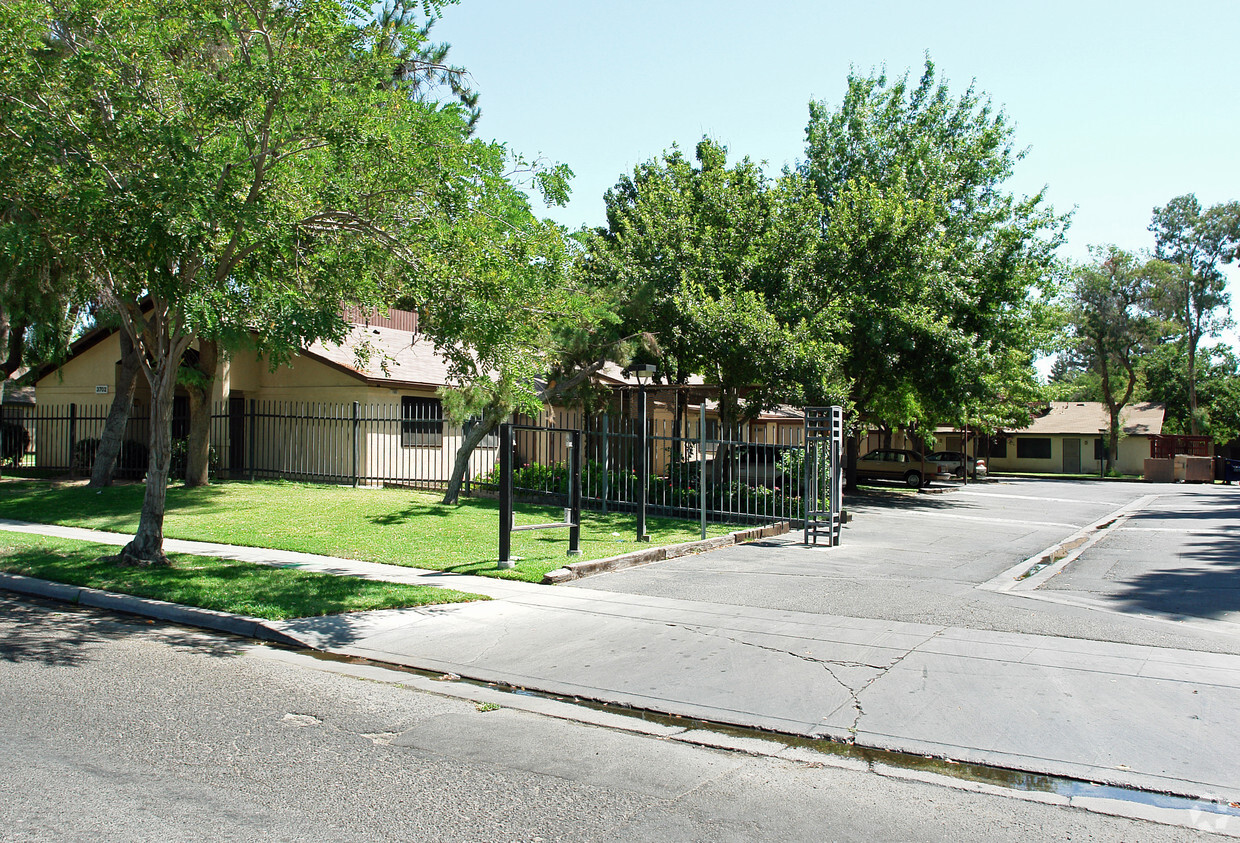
[(421, 421), (1033, 448)]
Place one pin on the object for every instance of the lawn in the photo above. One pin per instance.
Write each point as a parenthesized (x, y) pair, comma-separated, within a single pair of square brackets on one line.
[(393, 526), (222, 584)]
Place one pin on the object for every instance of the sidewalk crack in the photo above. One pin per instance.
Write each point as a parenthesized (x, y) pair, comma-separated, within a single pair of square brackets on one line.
[(854, 694)]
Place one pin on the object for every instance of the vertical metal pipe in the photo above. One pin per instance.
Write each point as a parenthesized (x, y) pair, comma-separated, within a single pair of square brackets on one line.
[(702, 463), (643, 472), (356, 442), (72, 434), (505, 496), (574, 493), (605, 479), (253, 434)]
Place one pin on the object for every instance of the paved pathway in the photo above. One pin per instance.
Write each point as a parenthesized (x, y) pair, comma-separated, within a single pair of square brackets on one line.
[(1150, 717)]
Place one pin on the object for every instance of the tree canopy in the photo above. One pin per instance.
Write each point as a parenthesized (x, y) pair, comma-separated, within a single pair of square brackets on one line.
[(231, 169), (941, 276), (707, 258), (1111, 325), (1199, 243)]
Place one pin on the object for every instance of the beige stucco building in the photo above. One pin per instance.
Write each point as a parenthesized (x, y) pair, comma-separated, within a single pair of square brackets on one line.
[(293, 420), (1071, 437)]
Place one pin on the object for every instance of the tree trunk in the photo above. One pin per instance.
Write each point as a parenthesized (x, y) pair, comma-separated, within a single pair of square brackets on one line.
[(491, 417), (1192, 384), (113, 435), (198, 450), (147, 547)]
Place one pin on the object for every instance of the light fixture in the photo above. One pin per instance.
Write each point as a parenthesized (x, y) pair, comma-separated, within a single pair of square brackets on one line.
[(644, 373)]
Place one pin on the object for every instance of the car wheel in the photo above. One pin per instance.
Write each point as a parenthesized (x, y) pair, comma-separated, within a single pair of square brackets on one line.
[(913, 480)]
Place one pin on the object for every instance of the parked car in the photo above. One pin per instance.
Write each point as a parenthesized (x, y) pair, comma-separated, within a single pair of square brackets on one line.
[(954, 461), (900, 465)]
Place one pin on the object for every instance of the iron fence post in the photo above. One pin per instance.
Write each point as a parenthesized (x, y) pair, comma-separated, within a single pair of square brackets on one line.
[(505, 496), (643, 471), (574, 493), (253, 435), (603, 457), (72, 434), (702, 463), (356, 444)]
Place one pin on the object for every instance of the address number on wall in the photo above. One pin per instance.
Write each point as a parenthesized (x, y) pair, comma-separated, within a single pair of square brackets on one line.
[(101, 389)]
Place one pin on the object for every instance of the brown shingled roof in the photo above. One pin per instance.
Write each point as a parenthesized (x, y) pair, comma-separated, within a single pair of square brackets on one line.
[(1091, 417), (397, 358)]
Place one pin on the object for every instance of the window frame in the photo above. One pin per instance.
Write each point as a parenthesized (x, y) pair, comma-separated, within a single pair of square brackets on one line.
[(421, 430), (1026, 444)]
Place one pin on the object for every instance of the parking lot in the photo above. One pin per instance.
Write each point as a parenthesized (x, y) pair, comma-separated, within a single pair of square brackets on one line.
[(1157, 564)]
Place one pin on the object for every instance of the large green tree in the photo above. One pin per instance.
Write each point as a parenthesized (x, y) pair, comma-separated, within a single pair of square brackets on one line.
[(942, 276), (1164, 378), (708, 258), (229, 167), (1200, 243), (1111, 325)]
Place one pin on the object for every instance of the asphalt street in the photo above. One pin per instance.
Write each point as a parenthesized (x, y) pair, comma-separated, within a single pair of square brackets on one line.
[(122, 729), (1165, 576)]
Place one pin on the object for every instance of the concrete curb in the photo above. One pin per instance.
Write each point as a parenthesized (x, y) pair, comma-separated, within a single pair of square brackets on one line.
[(145, 607), (577, 570)]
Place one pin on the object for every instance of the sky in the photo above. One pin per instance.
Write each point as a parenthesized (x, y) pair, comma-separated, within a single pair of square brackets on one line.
[(1121, 105)]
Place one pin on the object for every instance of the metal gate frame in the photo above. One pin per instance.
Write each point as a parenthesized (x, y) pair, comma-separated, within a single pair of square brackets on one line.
[(824, 439), (572, 512)]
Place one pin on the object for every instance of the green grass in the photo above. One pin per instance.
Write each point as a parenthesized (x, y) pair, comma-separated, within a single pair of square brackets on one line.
[(222, 584), (393, 526)]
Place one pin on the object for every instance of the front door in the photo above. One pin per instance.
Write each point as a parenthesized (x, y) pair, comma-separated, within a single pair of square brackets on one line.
[(1072, 456)]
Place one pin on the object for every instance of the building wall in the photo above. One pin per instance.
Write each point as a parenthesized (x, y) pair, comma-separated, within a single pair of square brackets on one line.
[(1133, 451), (305, 445)]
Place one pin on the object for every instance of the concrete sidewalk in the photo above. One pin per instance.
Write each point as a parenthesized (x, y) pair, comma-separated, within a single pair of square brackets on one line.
[(1153, 718)]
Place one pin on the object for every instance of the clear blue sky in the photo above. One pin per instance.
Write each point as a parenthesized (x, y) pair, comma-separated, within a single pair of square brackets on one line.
[(1123, 105)]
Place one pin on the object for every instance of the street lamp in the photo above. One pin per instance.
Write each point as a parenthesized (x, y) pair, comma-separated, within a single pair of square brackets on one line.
[(645, 375)]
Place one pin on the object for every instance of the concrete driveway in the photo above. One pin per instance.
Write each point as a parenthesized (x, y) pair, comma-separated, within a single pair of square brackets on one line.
[(1161, 572)]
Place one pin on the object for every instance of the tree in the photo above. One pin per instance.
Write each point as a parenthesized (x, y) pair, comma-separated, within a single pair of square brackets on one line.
[(706, 259), (940, 277), (1110, 325), (1164, 379), (230, 167), (1199, 243)]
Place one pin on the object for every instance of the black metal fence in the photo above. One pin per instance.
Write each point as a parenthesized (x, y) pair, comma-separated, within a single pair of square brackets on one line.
[(752, 472)]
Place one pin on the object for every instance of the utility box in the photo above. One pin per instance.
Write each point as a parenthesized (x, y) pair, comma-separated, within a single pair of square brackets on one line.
[(1159, 471), (1193, 469)]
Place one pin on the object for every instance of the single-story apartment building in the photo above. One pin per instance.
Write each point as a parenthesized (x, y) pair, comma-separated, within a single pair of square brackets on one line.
[(294, 420), (1071, 437)]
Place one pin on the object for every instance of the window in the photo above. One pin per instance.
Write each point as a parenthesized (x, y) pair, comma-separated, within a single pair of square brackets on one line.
[(421, 422), (491, 440), (1100, 449), (998, 447), (1033, 448)]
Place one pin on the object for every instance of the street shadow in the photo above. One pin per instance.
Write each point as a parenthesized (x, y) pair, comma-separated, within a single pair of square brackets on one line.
[(1203, 584), (61, 635)]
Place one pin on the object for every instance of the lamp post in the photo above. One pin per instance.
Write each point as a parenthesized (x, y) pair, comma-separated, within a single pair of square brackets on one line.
[(645, 375)]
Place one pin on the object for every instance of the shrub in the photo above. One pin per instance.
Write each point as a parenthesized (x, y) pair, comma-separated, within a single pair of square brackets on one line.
[(131, 462), (14, 442)]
